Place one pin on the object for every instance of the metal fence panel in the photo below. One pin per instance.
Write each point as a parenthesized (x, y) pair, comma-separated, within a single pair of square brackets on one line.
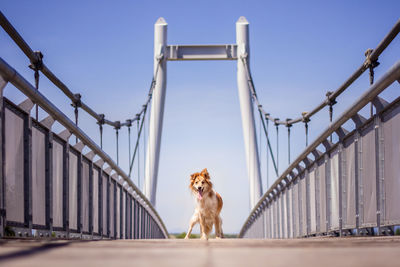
[(276, 218), (134, 231), (95, 199), (322, 197), (38, 176), (269, 220), (312, 199), (279, 219), (296, 207), (349, 190), (123, 214), (391, 133), (118, 212), (284, 214), (303, 204), (105, 203), (273, 224), (112, 208), (14, 165), (73, 190), (290, 211), (334, 191), (136, 219), (85, 196), (368, 178), (58, 169)]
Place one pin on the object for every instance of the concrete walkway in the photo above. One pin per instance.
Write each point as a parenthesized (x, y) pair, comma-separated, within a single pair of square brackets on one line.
[(360, 251)]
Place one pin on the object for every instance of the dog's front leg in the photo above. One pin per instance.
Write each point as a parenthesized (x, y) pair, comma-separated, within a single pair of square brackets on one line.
[(193, 221), (204, 229)]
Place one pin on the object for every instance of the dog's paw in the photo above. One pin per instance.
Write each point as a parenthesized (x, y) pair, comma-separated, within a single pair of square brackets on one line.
[(186, 237), (218, 237)]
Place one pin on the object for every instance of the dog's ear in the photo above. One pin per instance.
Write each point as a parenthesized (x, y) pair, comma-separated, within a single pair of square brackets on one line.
[(205, 174), (193, 176)]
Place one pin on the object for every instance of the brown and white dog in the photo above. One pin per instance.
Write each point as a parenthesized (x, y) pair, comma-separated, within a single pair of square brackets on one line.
[(209, 205)]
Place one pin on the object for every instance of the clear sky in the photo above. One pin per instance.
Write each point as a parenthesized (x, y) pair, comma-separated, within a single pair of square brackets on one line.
[(104, 51)]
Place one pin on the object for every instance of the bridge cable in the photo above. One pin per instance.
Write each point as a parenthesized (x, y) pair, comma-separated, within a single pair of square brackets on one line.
[(306, 128), (267, 160), (117, 127), (137, 141), (259, 144), (37, 66), (277, 144), (138, 138), (306, 120), (260, 110), (129, 125), (371, 65), (100, 123), (144, 153), (268, 142), (331, 103), (76, 104), (288, 125), (143, 111)]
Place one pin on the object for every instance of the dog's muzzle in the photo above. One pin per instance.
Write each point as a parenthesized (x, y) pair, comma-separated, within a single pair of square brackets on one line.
[(200, 193)]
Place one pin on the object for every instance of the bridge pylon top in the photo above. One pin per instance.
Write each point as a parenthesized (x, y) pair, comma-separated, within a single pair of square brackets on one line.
[(242, 20), (161, 21)]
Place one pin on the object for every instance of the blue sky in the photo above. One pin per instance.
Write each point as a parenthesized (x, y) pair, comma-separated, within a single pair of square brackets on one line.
[(104, 49)]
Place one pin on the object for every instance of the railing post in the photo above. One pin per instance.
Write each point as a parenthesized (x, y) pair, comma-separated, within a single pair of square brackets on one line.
[(308, 204), (356, 179), (79, 195), (115, 184), (108, 224), (317, 198), (3, 84), (91, 198), (294, 224), (66, 187), (49, 181), (157, 110), (328, 189), (121, 212), (265, 219), (288, 191), (28, 172), (379, 160), (341, 175), (100, 204)]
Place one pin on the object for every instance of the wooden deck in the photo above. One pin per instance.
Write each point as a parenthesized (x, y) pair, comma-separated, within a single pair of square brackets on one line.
[(356, 251)]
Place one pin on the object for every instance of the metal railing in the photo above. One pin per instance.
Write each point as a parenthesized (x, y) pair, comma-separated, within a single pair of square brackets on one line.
[(351, 187), (49, 187), (37, 64), (370, 62)]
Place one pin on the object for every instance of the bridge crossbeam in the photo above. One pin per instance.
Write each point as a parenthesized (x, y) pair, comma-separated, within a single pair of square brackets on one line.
[(201, 52)]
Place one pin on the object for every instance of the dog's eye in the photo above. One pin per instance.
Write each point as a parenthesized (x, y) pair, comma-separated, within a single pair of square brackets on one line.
[(202, 182)]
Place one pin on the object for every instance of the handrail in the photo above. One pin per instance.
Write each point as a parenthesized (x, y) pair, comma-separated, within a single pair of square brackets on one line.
[(386, 80), (12, 76), (371, 58)]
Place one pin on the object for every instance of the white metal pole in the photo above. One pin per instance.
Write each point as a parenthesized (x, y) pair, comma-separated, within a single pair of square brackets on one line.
[(246, 106), (157, 111)]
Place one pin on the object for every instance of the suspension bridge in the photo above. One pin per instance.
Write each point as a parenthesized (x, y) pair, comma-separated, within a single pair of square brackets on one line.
[(61, 205)]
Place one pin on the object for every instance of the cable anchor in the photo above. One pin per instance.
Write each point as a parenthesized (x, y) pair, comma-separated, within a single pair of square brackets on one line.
[(100, 122), (37, 65), (306, 120)]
